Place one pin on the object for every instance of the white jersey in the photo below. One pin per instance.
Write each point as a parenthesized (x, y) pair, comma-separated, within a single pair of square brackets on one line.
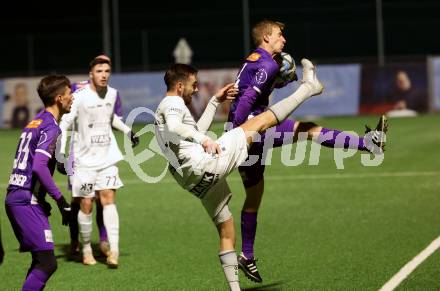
[(180, 140), (184, 155), (95, 145)]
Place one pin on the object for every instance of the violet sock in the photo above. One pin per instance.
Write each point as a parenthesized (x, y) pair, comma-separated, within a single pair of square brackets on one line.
[(248, 231), (332, 138), (100, 223), (36, 280)]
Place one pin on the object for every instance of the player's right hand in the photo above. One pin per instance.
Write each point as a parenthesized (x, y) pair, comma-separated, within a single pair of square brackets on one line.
[(211, 147), (228, 92), (65, 210)]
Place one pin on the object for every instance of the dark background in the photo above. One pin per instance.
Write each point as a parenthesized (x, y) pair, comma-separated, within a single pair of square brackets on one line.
[(54, 36)]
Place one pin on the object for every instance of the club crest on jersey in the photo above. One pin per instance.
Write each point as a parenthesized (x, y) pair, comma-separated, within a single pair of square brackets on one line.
[(34, 123), (261, 76), (253, 57)]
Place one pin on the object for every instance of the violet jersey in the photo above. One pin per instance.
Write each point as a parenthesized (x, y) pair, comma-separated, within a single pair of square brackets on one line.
[(255, 81), (39, 136)]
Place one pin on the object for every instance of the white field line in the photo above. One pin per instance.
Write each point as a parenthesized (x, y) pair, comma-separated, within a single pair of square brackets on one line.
[(312, 177), (411, 266), (290, 177)]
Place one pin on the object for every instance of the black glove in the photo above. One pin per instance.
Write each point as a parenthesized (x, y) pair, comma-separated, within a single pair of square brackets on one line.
[(65, 210), (2, 252), (61, 169), (45, 206), (134, 139)]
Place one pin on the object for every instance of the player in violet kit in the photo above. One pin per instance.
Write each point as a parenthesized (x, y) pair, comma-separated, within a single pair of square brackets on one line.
[(256, 81), (31, 179)]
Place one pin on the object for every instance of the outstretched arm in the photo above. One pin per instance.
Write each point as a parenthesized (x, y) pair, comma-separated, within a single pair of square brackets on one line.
[(118, 124), (228, 92)]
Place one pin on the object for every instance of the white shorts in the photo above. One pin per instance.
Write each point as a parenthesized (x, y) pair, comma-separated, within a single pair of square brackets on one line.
[(208, 178), (216, 202), (86, 182)]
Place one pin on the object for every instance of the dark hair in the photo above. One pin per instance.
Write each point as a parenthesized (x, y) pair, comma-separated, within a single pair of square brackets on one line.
[(264, 27), (51, 86), (99, 61), (178, 72)]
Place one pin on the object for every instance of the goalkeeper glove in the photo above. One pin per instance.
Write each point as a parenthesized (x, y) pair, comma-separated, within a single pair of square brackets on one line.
[(65, 210), (134, 139), (61, 169)]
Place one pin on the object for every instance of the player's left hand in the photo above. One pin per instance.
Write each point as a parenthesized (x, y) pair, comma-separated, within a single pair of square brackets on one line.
[(134, 139), (228, 92), (65, 210), (61, 169), (2, 252)]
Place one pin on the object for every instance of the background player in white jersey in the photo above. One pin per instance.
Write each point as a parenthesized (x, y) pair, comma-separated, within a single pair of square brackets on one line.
[(96, 156), (199, 164), (73, 225)]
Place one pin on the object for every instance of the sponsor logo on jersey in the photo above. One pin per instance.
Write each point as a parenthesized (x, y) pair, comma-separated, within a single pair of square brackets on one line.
[(100, 139), (34, 123), (208, 180), (17, 180), (261, 76), (253, 57), (178, 110)]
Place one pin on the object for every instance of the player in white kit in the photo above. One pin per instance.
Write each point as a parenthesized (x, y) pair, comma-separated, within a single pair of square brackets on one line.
[(96, 155), (199, 164)]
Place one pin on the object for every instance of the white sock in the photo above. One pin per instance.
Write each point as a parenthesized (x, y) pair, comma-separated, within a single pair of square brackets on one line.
[(285, 107), (229, 262), (85, 230), (111, 223)]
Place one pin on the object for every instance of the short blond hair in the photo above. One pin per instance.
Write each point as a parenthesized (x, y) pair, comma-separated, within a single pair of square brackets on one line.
[(263, 28)]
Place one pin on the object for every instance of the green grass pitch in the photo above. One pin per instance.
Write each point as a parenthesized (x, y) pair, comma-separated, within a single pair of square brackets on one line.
[(319, 228)]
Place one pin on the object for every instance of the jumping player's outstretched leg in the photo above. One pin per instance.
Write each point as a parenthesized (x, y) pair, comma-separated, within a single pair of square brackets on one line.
[(281, 110)]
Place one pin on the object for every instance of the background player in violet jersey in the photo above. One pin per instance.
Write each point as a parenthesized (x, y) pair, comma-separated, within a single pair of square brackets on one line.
[(73, 225), (256, 81), (31, 179), (96, 155)]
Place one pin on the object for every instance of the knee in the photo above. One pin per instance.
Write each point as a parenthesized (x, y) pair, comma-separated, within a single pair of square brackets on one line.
[(46, 262), (309, 127), (86, 205), (252, 179), (52, 265), (107, 197)]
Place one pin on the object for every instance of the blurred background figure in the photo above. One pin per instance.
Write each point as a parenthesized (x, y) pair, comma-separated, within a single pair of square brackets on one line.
[(404, 98), (16, 112)]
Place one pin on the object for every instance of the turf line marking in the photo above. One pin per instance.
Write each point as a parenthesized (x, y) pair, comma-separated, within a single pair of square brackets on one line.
[(289, 177), (411, 266), (313, 177)]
